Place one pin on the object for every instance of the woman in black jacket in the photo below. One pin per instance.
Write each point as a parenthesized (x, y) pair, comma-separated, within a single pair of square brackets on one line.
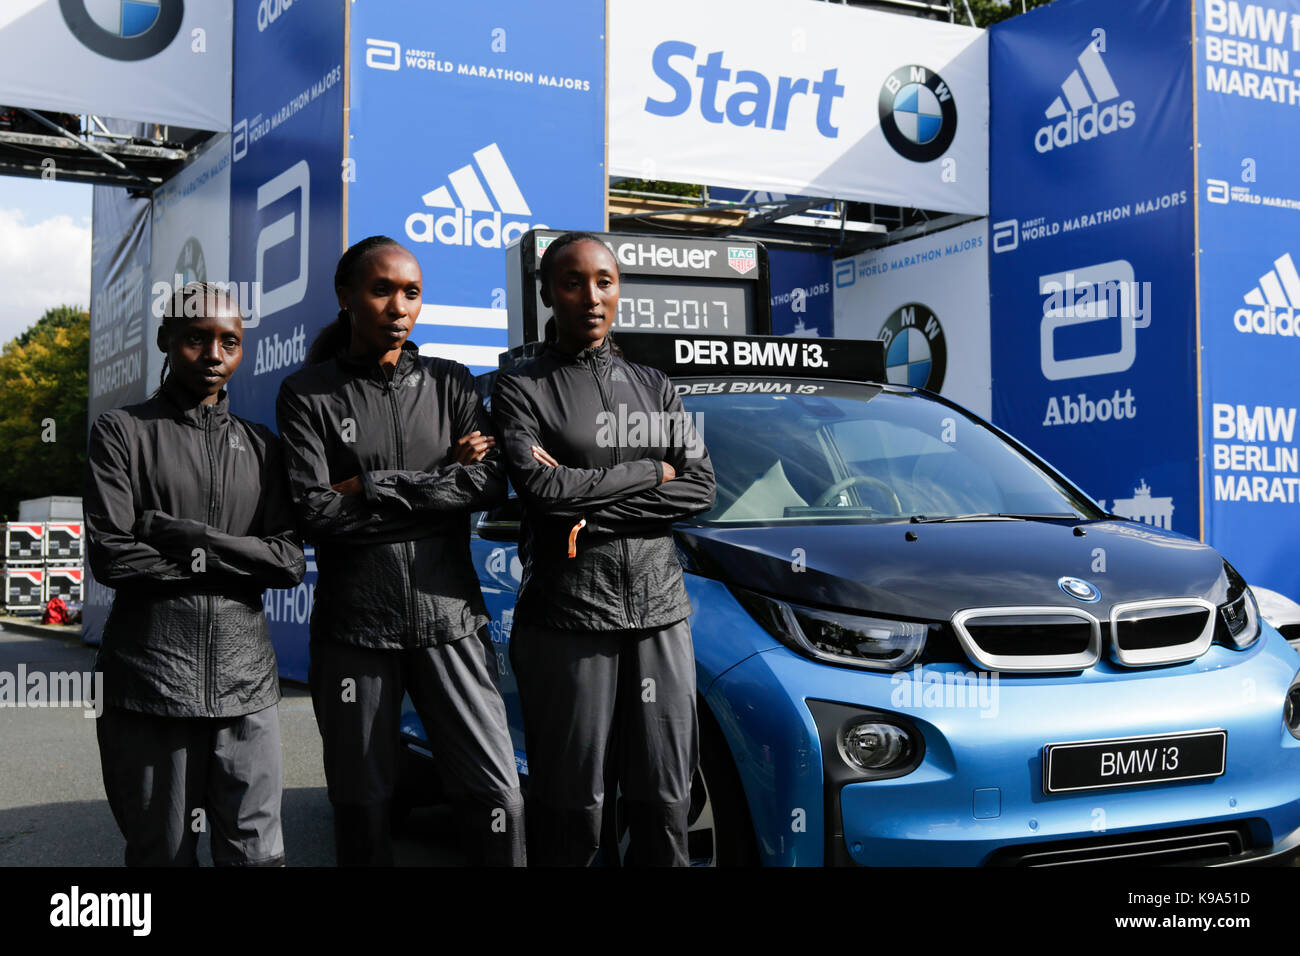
[(605, 459), (388, 453), (188, 518)]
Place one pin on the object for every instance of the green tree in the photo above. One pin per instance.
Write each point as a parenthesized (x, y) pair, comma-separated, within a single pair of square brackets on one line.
[(43, 390), (989, 12)]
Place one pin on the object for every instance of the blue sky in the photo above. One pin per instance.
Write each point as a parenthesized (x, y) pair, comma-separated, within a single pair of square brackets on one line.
[(44, 249)]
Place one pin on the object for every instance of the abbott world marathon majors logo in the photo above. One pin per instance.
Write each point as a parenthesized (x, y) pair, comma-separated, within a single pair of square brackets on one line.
[(1273, 303), (916, 352), (1089, 105), (917, 113), (473, 219), (124, 29)]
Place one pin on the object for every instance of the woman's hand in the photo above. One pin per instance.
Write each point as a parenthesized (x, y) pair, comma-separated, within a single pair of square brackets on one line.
[(352, 486), (542, 455), (473, 447)]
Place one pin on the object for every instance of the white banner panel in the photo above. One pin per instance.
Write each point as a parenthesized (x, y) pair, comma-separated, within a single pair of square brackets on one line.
[(191, 238), (154, 61), (818, 99), (929, 300)]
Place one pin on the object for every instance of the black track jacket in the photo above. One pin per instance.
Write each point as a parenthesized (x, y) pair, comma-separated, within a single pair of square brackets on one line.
[(394, 563), (602, 418), (188, 517)]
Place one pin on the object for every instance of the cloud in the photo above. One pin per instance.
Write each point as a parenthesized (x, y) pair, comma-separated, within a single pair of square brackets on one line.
[(42, 264)]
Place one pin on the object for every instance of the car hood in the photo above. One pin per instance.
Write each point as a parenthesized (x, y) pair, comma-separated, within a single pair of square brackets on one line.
[(956, 565)]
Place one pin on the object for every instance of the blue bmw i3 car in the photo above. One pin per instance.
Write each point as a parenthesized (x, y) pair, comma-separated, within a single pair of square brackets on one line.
[(919, 644)]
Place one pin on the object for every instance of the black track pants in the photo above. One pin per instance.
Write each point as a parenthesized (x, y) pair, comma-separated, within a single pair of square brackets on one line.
[(357, 694), (169, 779), (597, 704)]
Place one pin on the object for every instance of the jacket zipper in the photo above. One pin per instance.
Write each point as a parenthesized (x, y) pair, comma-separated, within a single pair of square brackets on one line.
[(209, 664), (618, 459), (408, 546)]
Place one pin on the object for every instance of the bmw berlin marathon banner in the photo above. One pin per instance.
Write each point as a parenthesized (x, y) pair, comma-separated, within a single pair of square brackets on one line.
[(119, 344), (1248, 120), (928, 301), (154, 61), (813, 98), (471, 124), (1091, 261), (286, 232)]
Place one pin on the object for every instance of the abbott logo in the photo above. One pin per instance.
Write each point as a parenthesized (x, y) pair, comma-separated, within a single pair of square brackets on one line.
[(274, 298), (383, 54), (1094, 294), (1079, 111), (465, 225), (1006, 235), (1277, 297)]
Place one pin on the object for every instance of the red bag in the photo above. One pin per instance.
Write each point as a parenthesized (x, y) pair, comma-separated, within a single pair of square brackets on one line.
[(56, 612)]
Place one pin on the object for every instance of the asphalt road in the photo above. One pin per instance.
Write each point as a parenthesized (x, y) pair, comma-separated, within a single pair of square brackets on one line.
[(52, 806)]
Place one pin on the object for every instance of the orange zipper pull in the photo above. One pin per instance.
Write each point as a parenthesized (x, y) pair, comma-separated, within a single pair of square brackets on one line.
[(573, 537)]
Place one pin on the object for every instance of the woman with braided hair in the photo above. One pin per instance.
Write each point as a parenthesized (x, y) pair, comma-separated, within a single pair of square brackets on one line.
[(188, 518), (388, 453)]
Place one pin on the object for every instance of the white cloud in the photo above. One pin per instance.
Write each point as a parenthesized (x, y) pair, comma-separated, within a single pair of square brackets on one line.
[(42, 264)]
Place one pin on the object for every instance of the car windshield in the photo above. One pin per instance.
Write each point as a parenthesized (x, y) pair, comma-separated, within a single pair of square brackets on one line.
[(858, 452)]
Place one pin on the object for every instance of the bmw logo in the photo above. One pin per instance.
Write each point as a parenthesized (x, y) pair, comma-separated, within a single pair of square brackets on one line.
[(1080, 590), (190, 265), (917, 113), (915, 351), (124, 29)]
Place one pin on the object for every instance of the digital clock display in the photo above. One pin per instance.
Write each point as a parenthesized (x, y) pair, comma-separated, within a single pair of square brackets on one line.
[(668, 285), (655, 304)]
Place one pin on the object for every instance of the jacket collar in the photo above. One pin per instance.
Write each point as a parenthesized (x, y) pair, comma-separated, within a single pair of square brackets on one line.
[(599, 356), (369, 368), (186, 408)]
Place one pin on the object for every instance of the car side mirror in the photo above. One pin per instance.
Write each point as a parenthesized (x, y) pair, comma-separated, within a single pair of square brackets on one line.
[(502, 522)]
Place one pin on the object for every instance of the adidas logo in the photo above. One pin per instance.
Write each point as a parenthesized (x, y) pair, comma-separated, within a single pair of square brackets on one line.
[(1277, 297), (473, 219), (1079, 109)]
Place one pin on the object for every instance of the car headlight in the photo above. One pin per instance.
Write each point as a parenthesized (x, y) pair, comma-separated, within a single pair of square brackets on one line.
[(835, 636), (874, 745), (1239, 621), (1291, 708)]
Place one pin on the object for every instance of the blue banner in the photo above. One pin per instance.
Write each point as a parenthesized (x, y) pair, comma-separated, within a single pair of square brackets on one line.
[(286, 189), (801, 293), (286, 230), (1091, 265), (469, 125), (119, 336), (1248, 126)]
